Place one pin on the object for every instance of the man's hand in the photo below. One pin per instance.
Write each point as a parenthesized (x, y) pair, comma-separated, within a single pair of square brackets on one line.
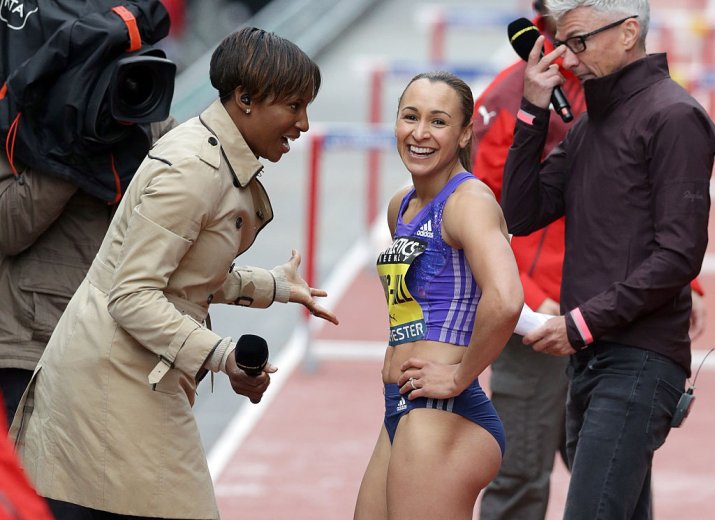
[(549, 306), (542, 74), (243, 384), (550, 338), (299, 290)]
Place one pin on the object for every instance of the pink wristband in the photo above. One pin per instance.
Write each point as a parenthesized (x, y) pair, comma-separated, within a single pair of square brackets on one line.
[(526, 117), (581, 326)]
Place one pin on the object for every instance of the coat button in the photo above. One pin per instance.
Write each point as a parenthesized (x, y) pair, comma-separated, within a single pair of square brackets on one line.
[(213, 141), (259, 214), (239, 222), (210, 298)]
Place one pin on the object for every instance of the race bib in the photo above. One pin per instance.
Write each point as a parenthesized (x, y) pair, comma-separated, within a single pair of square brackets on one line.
[(406, 318)]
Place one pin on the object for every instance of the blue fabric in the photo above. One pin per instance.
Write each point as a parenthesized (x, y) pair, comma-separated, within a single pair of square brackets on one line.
[(472, 404), (620, 404), (440, 279)]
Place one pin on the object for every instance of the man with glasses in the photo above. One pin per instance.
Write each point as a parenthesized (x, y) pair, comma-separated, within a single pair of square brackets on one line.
[(632, 179), (528, 389)]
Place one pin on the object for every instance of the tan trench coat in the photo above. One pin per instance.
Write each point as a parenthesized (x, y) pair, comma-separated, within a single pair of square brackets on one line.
[(107, 421)]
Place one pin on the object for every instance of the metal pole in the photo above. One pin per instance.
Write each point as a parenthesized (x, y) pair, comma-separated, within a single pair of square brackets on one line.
[(316, 148), (373, 155)]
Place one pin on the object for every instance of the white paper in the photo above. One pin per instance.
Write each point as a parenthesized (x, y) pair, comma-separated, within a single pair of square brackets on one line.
[(530, 320)]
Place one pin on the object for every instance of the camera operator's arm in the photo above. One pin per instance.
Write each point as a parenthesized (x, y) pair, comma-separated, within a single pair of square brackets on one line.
[(29, 204)]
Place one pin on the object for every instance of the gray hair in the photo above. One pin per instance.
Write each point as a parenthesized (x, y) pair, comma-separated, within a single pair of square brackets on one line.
[(558, 8)]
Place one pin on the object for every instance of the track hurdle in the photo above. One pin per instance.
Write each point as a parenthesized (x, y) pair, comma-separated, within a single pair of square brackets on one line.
[(440, 18), (323, 140)]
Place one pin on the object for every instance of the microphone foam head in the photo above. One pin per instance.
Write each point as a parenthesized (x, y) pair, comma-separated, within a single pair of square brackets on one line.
[(251, 353), (522, 36)]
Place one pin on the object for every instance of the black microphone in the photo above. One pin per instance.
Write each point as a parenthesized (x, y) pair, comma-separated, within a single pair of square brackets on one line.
[(251, 354), (522, 36)]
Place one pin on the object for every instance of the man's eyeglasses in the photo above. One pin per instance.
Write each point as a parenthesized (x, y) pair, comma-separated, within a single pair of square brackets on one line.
[(577, 44)]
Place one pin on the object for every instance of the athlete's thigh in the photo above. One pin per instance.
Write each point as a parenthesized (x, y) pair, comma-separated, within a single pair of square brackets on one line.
[(438, 464), (371, 501)]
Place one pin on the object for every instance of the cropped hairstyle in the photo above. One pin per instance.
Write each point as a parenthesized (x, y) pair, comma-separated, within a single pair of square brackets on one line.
[(619, 8), (466, 102), (265, 65)]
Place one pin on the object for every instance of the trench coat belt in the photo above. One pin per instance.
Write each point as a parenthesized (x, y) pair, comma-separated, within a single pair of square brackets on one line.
[(100, 275)]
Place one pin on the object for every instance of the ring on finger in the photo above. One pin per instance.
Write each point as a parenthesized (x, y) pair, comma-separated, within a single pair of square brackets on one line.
[(412, 383)]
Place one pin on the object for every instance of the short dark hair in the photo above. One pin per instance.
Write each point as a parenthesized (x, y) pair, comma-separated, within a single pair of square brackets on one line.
[(466, 101), (264, 65)]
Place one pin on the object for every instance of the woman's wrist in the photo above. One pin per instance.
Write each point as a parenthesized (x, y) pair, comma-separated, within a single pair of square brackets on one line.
[(461, 379), (282, 287)]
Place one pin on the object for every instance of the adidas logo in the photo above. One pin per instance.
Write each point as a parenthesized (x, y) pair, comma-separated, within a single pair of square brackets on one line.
[(401, 405), (425, 230)]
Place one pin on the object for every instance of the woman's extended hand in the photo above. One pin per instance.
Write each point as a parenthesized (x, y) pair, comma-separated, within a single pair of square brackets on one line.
[(428, 379), (299, 290)]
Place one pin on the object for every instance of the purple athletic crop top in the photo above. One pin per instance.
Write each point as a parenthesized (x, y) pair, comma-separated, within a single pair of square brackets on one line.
[(431, 293)]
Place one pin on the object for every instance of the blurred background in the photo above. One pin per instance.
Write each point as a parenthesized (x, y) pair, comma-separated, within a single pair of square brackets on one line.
[(302, 451)]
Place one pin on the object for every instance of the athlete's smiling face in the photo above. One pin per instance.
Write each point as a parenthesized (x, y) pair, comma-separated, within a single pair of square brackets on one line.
[(429, 128)]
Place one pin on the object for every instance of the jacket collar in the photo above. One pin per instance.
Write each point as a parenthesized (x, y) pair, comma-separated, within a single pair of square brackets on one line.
[(241, 160), (605, 93)]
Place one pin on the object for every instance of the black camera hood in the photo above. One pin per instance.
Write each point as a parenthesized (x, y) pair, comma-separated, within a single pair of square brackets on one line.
[(55, 108)]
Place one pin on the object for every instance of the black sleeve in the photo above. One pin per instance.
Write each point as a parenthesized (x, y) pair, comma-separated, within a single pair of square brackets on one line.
[(532, 194)]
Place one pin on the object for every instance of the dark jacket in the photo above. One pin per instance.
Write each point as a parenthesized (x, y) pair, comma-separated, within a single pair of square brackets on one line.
[(632, 179)]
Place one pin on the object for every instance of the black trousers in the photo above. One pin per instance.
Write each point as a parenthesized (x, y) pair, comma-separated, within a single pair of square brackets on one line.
[(13, 382), (67, 511)]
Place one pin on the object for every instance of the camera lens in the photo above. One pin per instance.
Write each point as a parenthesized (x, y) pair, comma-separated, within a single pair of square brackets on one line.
[(133, 91), (137, 91), (141, 89)]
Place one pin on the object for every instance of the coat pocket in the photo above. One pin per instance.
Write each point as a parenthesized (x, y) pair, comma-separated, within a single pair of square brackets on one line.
[(47, 289)]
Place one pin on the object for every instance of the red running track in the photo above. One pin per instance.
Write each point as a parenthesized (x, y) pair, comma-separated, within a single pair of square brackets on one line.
[(305, 456)]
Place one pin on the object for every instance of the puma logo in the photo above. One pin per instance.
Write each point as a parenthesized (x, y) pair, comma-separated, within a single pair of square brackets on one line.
[(486, 115)]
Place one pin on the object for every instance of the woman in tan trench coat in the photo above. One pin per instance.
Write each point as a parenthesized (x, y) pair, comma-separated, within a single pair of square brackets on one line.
[(106, 425)]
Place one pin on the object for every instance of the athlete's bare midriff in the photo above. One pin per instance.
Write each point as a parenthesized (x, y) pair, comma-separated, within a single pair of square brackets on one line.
[(436, 351)]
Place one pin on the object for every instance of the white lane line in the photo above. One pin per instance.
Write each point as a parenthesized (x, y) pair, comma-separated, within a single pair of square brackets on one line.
[(349, 350), (292, 354), (247, 417), (697, 358), (708, 264)]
